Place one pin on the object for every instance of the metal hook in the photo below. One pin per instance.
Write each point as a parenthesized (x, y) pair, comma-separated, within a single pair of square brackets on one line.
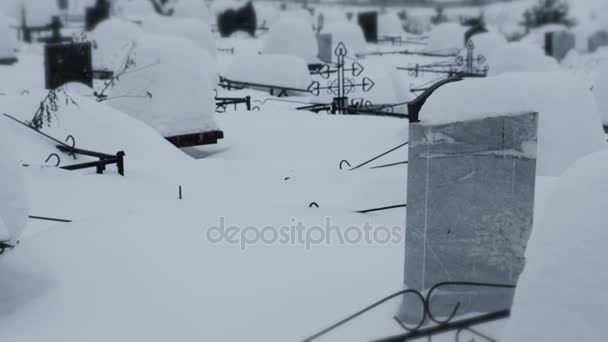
[(53, 155)]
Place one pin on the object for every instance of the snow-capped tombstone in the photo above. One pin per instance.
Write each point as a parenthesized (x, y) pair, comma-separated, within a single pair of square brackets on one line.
[(369, 24), (324, 43), (170, 88), (558, 44), (65, 63), (114, 38), (13, 197), (470, 199), (96, 14), (7, 43), (598, 40), (291, 36), (447, 37)]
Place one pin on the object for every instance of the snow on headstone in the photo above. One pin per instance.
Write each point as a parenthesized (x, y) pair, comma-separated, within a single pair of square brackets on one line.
[(348, 33), (277, 70), (114, 38), (37, 13), (291, 36), (520, 57), (600, 90), (564, 281), (172, 87), (458, 228), (569, 122), (198, 31), (195, 9), (598, 40), (389, 25), (558, 44), (13, 197), (447, 37), (7, 42)]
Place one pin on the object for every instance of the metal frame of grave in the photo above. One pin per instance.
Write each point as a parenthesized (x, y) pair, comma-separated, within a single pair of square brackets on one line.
[(54, 27), (222, 103), (437, 54), (463, 66), (64, 63), (196, 139), (229, 84), (428, 324), (103, 159)]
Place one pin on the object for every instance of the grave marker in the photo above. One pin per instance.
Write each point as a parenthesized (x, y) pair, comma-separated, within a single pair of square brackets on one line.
[(324, 40), (64, 63), (96, 14), (598, 40), (242, 19), (558, 44), (369, 24), (470, 200)]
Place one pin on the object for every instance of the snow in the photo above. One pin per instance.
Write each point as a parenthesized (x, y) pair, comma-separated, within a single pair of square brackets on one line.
[(561, 295), (520, 57), (349, 34), (389, 25), (279, 70), (537, 35), (292, 36), (194, 9), (487, 43), (446, 37), (114, 38), (133, 9), (196, 30), (37, 12), (7, 39), (13, 197), (600, 89), (158, 91), (557, 97)]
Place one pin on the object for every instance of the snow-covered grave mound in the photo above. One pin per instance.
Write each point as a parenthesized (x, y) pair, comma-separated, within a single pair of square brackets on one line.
[(348, 33), (389, 25), (600, 90), (292, 36), (195, 9), (447, 37), (276, 70), (114, 39), (569, 122), (94, 126), (7, 40), (561, 295), (13, 197), (37, 13), (196, 30), (520, 57), (487, 43), (133, 9), (170, 86)]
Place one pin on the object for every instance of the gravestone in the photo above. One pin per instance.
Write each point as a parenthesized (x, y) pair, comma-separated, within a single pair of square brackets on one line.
[(470, 197), (324, 40), (558, 44), (598, 40), (65, 63), (63, 4), (369, 24), (242, 19), (96, 14)]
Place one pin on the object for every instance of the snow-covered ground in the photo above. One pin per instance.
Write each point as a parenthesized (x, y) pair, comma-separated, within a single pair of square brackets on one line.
[(139, 263)]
